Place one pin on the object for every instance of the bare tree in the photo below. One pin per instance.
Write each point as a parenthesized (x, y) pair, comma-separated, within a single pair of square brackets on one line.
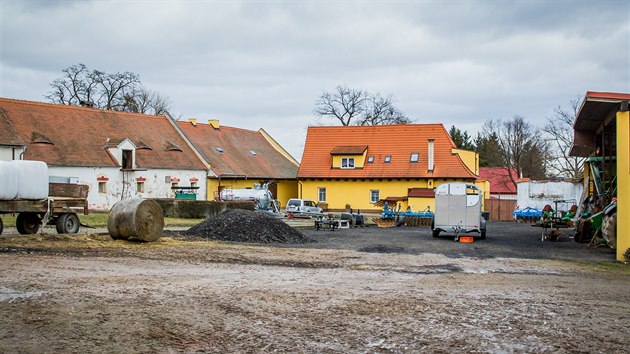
[(146, 101), (521, 146), (119, 91), (358, 107), (559, 128)]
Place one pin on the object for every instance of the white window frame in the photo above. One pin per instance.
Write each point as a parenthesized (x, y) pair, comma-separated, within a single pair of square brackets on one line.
[(372, 194), (102, 187), (388, 159), (347, 162), (370, 159), (415, 157), (319, 194)]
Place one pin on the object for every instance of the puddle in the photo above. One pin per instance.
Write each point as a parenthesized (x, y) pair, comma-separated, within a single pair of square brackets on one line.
[(10, 295)]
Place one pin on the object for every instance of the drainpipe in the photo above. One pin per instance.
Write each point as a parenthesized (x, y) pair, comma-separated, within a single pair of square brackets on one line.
[(430, 159)]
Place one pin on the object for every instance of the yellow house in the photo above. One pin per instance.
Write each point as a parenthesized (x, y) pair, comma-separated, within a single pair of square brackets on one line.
[(602, 131), (360, 167), (240, 158)]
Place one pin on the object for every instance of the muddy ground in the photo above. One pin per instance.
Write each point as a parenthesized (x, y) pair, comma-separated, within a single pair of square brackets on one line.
[(359, 290)]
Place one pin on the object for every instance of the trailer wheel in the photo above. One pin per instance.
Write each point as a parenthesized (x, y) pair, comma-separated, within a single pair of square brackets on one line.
[(68, 224), (435, 232), (28, 223), (1, 226), (483, 234)]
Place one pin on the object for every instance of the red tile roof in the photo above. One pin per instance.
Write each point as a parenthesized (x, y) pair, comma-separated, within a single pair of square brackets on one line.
[(499, 178), (421, 193), (79, 135), (397, 141), (8, 135), (236, 158)]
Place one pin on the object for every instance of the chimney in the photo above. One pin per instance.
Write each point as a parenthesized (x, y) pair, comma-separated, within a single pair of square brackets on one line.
[(430, 158), (193, 121), (214, 123)]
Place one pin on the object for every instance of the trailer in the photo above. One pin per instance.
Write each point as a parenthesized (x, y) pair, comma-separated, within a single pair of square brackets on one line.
[(458, 210), (59, 209)]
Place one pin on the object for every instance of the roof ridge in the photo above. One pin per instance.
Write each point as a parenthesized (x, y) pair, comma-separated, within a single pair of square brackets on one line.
[(376, 126), (220, 127), (78, 108)]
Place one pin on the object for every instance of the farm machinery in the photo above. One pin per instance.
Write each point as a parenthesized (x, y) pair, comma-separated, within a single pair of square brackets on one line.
[(394, 217)]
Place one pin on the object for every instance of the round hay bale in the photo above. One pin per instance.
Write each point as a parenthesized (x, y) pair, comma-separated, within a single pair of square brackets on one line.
[(136, 220)]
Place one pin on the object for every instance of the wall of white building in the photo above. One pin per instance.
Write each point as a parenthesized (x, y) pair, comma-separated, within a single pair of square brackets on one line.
[(8, 153), (537, 194), (117, 185)]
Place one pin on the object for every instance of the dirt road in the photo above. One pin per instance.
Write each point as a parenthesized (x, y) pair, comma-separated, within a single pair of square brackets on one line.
[(88, 293)]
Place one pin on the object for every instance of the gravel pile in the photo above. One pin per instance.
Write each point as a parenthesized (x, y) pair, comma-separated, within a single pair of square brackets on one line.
[(246, 226)]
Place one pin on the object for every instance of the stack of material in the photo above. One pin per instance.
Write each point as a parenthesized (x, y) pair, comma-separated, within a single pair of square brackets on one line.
[(246, 226), (136, 220)]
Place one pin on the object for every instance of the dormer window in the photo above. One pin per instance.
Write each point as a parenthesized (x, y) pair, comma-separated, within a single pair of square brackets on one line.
[(413, 157), (347, 162), (388, 158), (127, 159)]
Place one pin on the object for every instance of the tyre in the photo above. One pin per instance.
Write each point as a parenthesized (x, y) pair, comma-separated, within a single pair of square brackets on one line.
[(1, 226), (435, 232), (483, 234), (609, 229), (28, 223), (68, 224)]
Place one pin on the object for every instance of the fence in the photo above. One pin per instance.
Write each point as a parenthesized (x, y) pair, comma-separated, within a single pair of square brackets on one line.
[(500, 209)]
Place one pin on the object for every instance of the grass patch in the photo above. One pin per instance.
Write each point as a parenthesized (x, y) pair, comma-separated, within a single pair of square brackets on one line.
[(99, 219)]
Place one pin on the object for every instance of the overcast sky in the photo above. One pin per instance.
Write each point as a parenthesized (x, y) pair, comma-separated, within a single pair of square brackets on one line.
[(263, 64)]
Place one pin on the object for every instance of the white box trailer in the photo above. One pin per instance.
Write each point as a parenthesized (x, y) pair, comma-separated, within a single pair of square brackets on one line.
[(458, 210)]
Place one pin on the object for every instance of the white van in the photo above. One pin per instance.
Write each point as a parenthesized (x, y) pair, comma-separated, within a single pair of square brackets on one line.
[(305, 206)]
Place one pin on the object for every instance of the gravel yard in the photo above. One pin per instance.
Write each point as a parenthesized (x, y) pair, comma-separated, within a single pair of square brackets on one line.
[(354, 290)]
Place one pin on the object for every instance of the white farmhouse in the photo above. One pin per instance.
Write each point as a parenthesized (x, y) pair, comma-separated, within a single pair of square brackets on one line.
[(119, 155)]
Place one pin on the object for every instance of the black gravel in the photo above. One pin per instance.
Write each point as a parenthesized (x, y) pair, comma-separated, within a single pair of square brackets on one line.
[(246, 226), (504, 239)]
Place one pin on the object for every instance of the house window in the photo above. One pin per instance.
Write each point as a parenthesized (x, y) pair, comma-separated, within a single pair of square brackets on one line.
[(140, 187), (102, 187), (374, 195), (127, 159), (321, 194), (388, 158), (370, 159), (174, 184), (193, 184), (347, 162), (413, 157)]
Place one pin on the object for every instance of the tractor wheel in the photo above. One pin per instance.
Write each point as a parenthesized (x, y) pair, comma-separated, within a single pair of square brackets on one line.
[(609, 229), (68, 224), (28, 223)]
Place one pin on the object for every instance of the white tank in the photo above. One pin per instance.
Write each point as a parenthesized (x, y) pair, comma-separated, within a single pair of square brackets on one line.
[(32, 179), (8, 180)]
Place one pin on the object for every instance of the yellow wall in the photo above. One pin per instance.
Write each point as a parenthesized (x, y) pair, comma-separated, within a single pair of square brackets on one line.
[(623, 184), (357, 192), (420, 204), (359, 160), (286, 188), (469, 158)]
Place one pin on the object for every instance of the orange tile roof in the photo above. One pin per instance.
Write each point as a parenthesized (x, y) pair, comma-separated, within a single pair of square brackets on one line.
[(8, 135), (397, 141), (79, 135), (236, 158), (349, 150)]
